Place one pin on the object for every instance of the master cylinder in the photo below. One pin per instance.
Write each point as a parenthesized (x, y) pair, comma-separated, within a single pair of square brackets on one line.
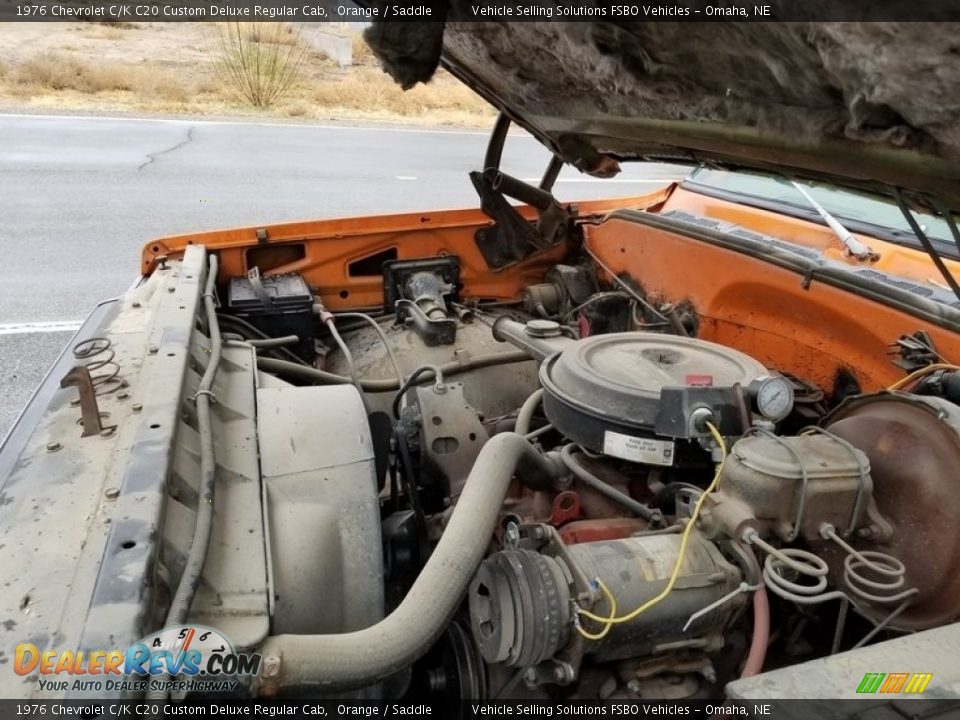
[(789, 487)]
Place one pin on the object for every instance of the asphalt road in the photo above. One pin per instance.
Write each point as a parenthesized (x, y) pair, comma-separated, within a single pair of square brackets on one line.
[(80, 196)]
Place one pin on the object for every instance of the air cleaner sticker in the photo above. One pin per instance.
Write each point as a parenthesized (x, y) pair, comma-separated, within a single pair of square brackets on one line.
[(638, 449)]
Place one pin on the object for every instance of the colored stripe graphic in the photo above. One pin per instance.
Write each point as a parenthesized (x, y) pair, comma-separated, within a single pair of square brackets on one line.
[(871, 682), (893, 683), (918, 682)]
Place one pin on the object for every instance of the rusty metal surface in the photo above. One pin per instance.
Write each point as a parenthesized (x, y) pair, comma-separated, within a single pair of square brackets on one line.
[(91, 509), (79, 377), (112, 515), (580, 531), (914, 448), (53, 505)]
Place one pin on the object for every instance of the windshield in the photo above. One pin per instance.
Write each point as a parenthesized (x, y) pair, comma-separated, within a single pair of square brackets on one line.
[(851, 206)]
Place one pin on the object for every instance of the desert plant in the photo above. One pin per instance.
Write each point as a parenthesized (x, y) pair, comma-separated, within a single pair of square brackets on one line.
[(51, 71), (59, 72), (258, 62)]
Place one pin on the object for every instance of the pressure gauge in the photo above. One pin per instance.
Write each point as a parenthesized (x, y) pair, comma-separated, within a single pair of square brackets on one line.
[(773, 396)]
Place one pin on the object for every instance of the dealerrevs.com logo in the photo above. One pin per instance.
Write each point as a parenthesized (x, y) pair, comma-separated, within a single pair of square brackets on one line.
[(183, 657), (893, 683)]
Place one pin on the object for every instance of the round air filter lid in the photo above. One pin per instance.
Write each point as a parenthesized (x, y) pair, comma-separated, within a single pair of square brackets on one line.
[(618, 377)]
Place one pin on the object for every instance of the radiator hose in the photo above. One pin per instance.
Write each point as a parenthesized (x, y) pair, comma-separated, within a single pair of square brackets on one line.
[(363, 657)]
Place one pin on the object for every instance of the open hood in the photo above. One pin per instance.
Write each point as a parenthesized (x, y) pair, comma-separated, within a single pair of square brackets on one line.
[(871, 105)]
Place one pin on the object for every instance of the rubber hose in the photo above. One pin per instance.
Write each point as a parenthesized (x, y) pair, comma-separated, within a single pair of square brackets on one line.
[(251, 332), (761, 634), (276, 342), (347, 358), (761, 611), (413, 380), (183, 598), (363, 657), (197, 555), (525, 416), (305, 372), (383, 338)]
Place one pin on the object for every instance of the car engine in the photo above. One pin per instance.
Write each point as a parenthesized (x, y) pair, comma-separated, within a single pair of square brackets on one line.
[(573, 495)]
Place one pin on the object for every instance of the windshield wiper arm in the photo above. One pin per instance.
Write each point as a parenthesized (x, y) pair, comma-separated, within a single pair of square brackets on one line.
[(856, 248), (925, 241)]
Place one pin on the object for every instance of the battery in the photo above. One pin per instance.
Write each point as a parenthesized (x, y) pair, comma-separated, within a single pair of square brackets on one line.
[(276, 305)]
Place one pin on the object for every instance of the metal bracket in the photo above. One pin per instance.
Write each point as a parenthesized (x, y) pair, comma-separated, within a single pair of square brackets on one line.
[(253, 275), (452, 433), (434, 331), (418, 290), (513, 237), (79, 377)]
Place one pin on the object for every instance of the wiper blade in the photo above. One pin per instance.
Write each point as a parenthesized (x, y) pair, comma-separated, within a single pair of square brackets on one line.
[(925, 241), (856, 248)]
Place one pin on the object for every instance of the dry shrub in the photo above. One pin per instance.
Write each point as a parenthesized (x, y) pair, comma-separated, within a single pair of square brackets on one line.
[(59, 72), (259, 63), (94, 78), (370, 89), (163, 86), (104, 29), (165, 81), (50, 71), (285, 34), (297, 109), (207, 84)]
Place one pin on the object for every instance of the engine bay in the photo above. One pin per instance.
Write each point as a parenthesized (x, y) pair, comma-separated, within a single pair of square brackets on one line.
[(576, 496), (618, 454)]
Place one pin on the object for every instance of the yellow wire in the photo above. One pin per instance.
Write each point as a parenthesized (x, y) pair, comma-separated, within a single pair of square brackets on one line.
[(613, 613), (903, 382), (613, 620)]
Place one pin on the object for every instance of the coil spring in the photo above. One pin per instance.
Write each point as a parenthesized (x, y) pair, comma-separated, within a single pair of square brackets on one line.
[(806, 565), (98, 357), (881, 589), (870, 575), (887, 577)]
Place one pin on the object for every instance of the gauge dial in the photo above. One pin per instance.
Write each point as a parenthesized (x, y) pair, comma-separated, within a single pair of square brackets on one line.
[(773, 396), (180, 638)]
